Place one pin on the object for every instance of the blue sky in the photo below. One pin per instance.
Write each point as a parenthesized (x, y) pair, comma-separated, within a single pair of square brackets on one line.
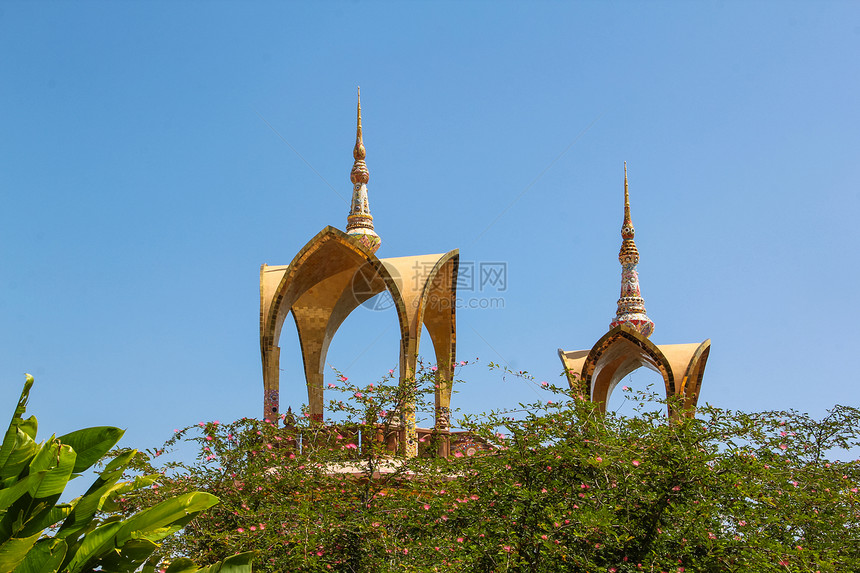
[(142, 188)]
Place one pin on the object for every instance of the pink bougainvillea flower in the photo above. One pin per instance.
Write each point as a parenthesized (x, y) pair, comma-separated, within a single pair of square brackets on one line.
[(459, 540), (433, 368), (635, 463), (544, 384), (240, 530), (351, 446), (426, 506), (783, 447), (599, 459), (330, 385), (359, 395)]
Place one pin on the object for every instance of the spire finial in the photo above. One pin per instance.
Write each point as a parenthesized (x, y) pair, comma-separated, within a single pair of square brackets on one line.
[(359, 223), (627, 230), (359, 153), (631, 305)]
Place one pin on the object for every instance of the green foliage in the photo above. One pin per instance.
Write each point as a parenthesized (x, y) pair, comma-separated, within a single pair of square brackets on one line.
[(565, 489), (40, 535)]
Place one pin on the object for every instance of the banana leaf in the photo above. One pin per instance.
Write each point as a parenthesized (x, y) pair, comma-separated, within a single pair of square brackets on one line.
[(91, 444), (45, 556)]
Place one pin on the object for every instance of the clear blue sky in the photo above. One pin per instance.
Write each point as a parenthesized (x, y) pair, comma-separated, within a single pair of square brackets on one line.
[(142, 188)]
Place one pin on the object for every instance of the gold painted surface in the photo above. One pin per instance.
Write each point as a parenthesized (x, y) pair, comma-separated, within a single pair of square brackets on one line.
[(317, 287), (623, 350)]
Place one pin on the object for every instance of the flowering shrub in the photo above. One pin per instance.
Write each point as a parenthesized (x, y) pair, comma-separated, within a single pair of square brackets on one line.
[(565, 489)]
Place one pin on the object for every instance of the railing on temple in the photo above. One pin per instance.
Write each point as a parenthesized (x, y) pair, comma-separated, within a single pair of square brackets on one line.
[(387, 438)]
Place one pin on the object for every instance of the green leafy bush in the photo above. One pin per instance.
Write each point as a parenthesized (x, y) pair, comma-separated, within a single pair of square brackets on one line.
[(565, 489)]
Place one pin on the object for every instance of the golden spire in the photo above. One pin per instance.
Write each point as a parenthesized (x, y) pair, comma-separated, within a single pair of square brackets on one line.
[(631, 305), (627, 230), (359, 223), (359, 153)]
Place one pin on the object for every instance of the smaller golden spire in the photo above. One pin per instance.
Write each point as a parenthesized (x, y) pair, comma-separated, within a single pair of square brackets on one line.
[(359, 222), (627, 230), (631, 306), (359, 173)]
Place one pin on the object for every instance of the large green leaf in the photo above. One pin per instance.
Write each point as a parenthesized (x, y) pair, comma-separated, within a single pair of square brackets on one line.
[(152, 523), (94, 498), (59, 460), (182, 565), (9, 439), (13, 551), (239, 563), (9, 495), (128, 558), (45, 513), (45, 556), (91, 444), (95, 544), (20, 454)]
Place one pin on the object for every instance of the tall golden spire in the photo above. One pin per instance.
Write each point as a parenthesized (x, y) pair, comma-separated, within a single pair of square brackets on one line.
[(631, 305), (359, 222)]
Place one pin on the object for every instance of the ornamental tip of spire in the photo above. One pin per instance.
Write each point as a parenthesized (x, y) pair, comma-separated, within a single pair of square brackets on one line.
[(627, 230), (631, 306), (359, 173), (359, 153), (359, 222)]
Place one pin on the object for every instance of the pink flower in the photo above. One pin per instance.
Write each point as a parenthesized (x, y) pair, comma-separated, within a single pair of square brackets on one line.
[(625, 388), (635, 463), (458, 454), (253, 528), (351, 446), (359, 395), (426, 506), (459, 540), (240, 530), (544, 384), (599, 459), (331, 385), (506, 548), (433, 368), (783, 447)]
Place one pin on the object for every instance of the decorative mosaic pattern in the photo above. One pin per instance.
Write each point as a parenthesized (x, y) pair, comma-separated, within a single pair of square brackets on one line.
[(631, 305), (359, 222), (271, 402)]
